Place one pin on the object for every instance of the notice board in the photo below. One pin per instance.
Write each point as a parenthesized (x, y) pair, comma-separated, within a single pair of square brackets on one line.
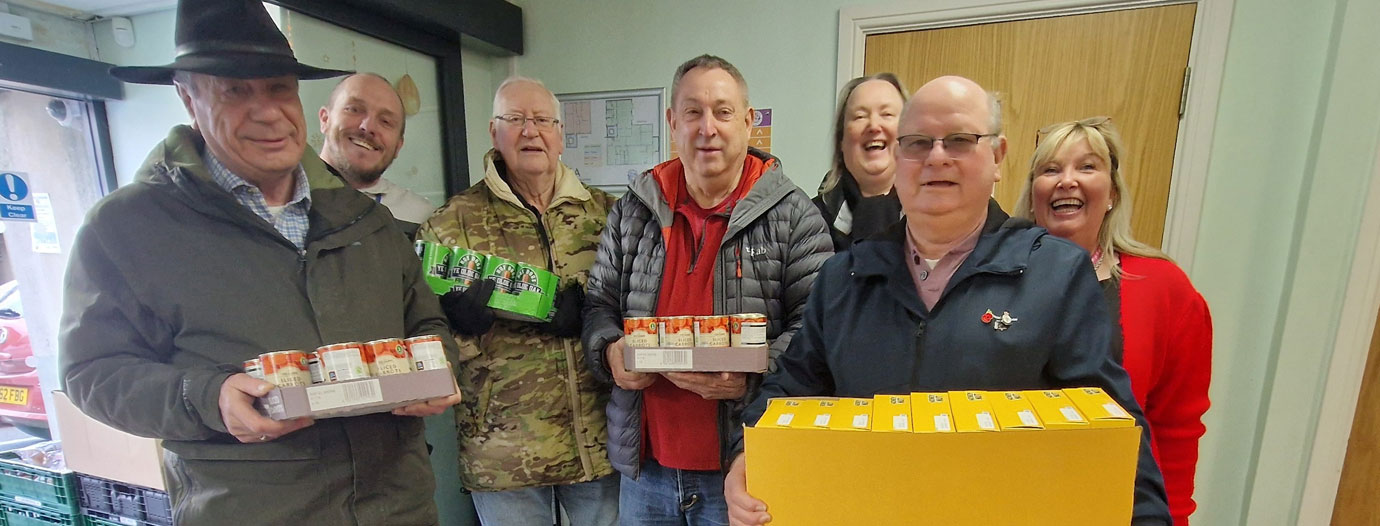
[(612, 136)]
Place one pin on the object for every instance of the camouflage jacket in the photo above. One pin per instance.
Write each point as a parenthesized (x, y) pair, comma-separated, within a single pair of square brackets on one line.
[(532, 413)]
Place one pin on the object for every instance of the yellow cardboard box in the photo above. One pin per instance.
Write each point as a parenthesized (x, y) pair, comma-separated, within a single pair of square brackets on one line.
[(824, 477), (1055, 410), (930, 413), (891, 413), (780, 412), (1013, 412), (1099, 408), (825, 413), (972, 412), (852, 414)]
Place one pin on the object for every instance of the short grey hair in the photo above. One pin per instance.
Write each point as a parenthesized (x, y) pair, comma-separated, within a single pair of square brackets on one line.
[(185, 79), (708, 61), (994, 108), (519, 79)]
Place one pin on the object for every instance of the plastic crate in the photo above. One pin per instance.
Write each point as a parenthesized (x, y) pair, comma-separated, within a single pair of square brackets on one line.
[(31, 486), (29, 516), (123, 504)]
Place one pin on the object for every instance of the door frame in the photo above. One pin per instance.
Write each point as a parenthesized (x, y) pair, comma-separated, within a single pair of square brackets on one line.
[(1206, 58), (1349, 353)]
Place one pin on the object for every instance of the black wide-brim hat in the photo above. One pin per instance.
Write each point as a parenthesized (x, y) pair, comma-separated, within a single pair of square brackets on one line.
[(226, 38)]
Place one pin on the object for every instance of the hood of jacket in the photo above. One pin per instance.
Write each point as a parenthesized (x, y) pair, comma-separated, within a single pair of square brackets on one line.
[(568, 186)]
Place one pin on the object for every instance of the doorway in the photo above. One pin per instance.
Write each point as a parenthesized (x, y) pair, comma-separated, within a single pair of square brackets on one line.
[(1356, 504), (1129, 64), (50, 144)]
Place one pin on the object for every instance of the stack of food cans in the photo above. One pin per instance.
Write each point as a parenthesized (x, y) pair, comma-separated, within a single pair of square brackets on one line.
[(339, 362), (720, 330), (522, 292)]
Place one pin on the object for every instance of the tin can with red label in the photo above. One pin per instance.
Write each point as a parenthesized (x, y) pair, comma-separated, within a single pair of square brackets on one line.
[(342, 361), (286, 368), (711, 331), (678, 331), (254, 369), (427, 352), (748, 330), (642, 331), (387, 356)]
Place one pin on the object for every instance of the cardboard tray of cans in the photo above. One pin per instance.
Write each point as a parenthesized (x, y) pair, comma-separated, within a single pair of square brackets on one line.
[(712, 343), (357, 397)]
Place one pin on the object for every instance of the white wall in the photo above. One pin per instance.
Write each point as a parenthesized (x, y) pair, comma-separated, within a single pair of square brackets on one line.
[(54, 33)]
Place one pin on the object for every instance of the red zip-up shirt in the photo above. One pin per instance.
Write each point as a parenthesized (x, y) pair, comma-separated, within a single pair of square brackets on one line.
[(682, 428)]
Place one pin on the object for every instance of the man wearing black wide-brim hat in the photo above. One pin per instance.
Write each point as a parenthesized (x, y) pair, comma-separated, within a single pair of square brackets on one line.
[(234, 240)]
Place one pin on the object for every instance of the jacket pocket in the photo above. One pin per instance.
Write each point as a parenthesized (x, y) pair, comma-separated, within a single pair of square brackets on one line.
[(303, 444)]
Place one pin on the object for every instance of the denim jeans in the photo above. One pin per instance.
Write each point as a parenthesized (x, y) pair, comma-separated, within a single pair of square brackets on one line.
[(664, 496), (593, 503)]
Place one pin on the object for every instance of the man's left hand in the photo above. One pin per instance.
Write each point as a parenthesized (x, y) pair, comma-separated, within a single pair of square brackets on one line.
[(568, 322), (711, 386), (434, 406)]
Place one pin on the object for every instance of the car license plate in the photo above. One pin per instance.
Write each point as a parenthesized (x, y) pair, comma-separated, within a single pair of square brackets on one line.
[(14, 395)]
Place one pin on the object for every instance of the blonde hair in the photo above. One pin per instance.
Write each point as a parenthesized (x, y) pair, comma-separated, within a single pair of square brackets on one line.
[(1114, 235)]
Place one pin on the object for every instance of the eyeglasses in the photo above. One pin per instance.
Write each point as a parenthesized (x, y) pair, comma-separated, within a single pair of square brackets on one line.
[(514, 119), (1096, 123), (918, 147)]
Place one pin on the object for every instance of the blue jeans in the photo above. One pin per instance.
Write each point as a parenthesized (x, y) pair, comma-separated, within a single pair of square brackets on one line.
[(593, 503), (664, 496)]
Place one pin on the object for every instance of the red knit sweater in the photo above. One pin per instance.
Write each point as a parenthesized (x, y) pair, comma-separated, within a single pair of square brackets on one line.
[(1167, 333)]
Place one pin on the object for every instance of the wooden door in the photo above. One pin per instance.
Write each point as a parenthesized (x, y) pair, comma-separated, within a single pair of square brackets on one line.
[(1128, 65), (1357, 504)]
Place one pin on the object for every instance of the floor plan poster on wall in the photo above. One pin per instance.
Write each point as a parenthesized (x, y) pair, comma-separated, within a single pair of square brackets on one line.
[(610, 137), (760, 136)]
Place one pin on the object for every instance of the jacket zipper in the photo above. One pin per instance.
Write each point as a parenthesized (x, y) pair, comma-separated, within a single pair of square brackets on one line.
[(572, 378)]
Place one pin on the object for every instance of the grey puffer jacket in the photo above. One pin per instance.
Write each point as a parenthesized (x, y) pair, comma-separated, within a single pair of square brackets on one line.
[(775, 236)]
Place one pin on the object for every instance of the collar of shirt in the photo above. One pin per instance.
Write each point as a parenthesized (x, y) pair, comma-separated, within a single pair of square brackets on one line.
[(292, 223), (930, 282)]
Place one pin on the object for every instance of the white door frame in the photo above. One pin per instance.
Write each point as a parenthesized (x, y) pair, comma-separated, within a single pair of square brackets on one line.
[(1342, 389), (1206, 57)]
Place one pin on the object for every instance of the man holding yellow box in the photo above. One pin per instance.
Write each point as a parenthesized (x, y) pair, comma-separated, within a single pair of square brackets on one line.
[(956, 296)]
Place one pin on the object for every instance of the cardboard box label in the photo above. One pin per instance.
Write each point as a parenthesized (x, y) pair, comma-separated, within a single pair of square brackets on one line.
[(325, 397), (702, 359), (660, 358)]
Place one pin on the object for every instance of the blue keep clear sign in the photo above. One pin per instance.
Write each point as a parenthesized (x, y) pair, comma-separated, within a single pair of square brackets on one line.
[(16, 201)]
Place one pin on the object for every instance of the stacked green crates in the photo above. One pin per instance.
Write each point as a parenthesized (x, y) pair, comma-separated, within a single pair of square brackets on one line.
[(35, 496)]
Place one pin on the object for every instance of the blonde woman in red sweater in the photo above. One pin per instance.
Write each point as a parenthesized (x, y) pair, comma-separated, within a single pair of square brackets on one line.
[(1075, 189)]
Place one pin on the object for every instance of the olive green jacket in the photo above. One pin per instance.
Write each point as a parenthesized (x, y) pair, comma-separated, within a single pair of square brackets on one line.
[(532, 413), (172, 284)]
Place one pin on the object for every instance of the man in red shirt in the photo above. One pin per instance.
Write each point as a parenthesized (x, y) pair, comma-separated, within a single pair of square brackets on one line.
[(720, 230)]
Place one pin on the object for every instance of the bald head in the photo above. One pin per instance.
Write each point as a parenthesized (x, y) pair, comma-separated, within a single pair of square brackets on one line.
[(954, 94), (950, 155)]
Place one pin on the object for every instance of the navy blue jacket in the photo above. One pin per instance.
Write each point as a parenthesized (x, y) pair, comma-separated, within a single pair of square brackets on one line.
[(866, 332)]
